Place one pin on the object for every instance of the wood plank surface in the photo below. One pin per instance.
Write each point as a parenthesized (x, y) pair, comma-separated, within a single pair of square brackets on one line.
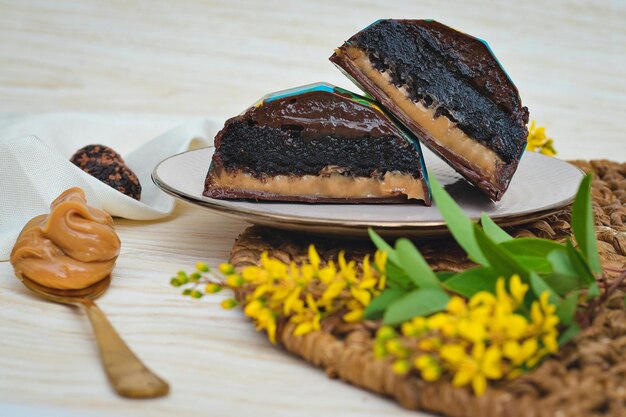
[(193, 58)]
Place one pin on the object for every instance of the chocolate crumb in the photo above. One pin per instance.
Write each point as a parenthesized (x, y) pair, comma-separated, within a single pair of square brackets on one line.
[(95, 152), (105, 164)]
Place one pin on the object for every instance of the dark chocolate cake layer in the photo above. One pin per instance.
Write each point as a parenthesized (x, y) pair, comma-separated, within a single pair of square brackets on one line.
[(316, 144), (263, 150), (423, 71)]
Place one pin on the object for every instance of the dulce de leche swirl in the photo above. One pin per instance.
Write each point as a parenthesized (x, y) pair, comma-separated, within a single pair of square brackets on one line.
[(73, 247)]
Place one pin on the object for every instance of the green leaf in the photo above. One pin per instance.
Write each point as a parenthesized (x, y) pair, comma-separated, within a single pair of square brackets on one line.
[(414, 265), (380, 244), (529, 246), (461, 227), (494, 231), (584, 226), (498, 259), (397, 278), (561, 263), (569, 334), (379, 304), (471, 281), (567, 309), (534, 263), (539, 286), (563, 284), (594, 291), (577, 260), (443, 276), (420, 302)]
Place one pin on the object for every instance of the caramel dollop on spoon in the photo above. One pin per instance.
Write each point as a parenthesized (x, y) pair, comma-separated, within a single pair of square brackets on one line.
[(67, 257)]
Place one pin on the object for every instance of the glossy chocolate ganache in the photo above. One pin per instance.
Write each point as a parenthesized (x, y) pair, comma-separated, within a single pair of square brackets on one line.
[(282, 143)]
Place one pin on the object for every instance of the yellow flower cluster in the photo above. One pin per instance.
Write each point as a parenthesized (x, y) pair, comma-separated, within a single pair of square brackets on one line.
[(538, 141), (488, 337), (305, 294)]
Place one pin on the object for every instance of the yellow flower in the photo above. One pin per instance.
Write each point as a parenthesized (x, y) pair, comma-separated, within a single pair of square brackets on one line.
[(226, 268), (457, 306), (518, 289), (518, 353), (212, 288), (401, 367), (429, 344), (453, 354), (482, 298), (379, 349), (483, 364), (234, 280), (314, 257), (202, 267), (328, 273), (293, 302), (347, 269), (488, 337), (385, 333), (353, 316), (253, 308), (265, 320), (395, 347), (516, 326), (444, 323), (307, 326), (429, 368), (229, 303), (504, 301), (274, 267), (419, 323), (542, 314), (362, 296), (261, 290), (253, 274), (301, 294), (368, 272), (380, 260), (333, 291), (408, 329), (308, 319), (550, 341), (472, 330), (538, 141)]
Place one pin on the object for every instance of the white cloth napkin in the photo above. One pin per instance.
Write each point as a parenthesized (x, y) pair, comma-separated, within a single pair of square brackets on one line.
[(35, 166)]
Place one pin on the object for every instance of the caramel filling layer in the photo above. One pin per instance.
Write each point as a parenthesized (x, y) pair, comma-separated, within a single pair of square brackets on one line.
[(329, 186), (442, 130)]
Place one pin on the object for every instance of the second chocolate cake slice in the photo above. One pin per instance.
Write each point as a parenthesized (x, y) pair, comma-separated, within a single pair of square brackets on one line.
[(316, 143), (449, 89)]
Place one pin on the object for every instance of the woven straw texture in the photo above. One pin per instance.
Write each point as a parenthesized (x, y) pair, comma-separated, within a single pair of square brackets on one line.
[(587, 378)]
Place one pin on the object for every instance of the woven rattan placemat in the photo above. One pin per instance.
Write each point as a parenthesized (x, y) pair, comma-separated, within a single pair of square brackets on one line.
[(587, 378)]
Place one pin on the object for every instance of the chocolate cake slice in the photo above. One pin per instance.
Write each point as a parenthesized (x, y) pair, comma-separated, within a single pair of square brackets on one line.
[(317, 143), (446, 87)]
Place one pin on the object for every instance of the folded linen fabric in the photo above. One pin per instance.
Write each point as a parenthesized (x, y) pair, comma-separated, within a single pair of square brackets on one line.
[(35, 166)]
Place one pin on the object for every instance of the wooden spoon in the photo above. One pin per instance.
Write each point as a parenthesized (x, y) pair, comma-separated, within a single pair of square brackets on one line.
[(127, 374)]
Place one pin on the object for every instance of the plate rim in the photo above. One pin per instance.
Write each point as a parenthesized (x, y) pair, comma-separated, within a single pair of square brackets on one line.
[(296, 220)]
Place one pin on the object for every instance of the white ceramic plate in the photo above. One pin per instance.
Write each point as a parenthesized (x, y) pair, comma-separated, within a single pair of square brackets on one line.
[(541, 186)]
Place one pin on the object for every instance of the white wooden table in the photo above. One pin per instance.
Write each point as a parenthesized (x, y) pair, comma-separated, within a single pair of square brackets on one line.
[(199, 58)]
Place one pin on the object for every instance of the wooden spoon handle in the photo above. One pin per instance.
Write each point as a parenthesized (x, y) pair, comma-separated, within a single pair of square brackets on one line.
[(127, 374)]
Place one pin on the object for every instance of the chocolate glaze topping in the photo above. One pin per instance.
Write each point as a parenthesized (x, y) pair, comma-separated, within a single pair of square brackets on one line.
[(319, 113)]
